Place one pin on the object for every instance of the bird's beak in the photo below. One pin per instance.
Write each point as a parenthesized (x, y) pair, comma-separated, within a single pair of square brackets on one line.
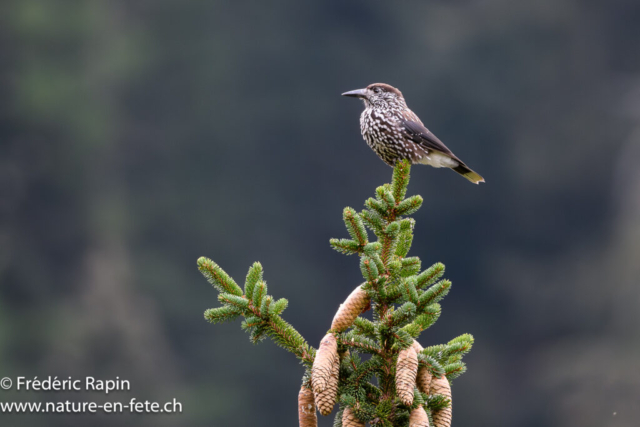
[(358, 93)]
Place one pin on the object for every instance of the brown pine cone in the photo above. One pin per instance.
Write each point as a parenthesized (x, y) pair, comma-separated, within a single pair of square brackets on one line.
[(326, 399), (349, 418), (355, 304), (306, 408), (442, 418), (323, 364), (423, 379), (324, 374), (406, 371), (419, 418)]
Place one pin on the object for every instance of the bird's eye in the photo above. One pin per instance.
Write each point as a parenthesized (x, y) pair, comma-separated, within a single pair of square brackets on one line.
[(377, 89)]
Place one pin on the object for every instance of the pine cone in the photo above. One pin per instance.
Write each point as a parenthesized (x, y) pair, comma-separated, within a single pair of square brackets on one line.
[(419, 418), (323, 364), (324, 374), (423, 379), (349, 418), (326, 399), (406, 370), (442, 418), (306, 408), (353, 306)]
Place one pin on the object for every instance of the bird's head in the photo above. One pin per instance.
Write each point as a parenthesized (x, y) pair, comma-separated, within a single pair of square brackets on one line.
[(379, 95)]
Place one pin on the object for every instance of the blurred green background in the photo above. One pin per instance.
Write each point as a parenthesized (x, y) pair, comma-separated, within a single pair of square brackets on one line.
[(136, 136)]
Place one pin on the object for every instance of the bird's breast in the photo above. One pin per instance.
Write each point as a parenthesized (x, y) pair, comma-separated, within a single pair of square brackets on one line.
[(378, 127), (382, 133)]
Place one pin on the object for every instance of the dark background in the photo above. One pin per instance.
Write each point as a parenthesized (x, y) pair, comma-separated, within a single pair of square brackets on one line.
[(136, 136)]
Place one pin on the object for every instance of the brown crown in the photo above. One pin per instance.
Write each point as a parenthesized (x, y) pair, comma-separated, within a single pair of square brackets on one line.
[(385, 87)]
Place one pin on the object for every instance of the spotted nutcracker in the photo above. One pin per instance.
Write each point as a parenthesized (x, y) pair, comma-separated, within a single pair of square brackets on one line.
[(394, 132)]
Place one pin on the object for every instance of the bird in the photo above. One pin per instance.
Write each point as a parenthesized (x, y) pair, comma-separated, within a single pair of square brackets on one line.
[(394, 132)]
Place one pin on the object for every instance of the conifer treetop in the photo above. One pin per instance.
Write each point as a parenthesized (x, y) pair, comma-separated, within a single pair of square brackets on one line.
[(404, 301)]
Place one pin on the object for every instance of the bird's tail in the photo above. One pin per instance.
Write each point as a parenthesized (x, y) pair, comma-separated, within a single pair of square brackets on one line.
[(468, 173)]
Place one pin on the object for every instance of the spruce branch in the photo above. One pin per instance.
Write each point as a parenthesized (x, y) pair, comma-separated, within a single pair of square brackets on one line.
[(390, 241), (359, 342), (400, 179), (431, 364), (410, 266), (253, 277), (430, 275), (402, 314), (262, 314), (436, 402), (217, 277), (383, 194), (345, 246), (259, 293), (458, 346), (377, 206), (427, 317), (378, 262), (408, 206), (222, 314), (355, 226), (373, 219), (368, 268), (394, 267), (372, 249), (435, 293), (408, 289), (364, 326), (454, 370), (406, 237)]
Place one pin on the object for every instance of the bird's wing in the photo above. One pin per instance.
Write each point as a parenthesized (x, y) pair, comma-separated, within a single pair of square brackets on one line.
[(422, 136)]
